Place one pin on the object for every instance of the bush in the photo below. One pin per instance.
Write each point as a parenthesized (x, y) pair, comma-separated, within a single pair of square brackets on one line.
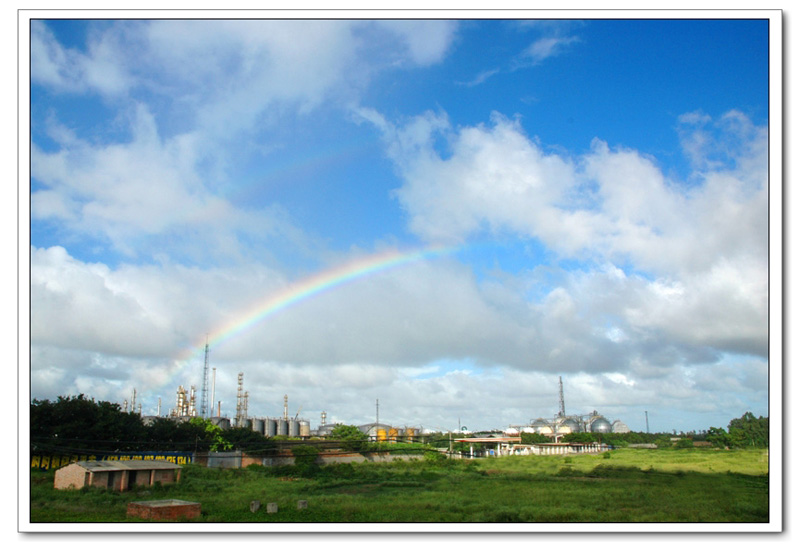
[(305, 459)]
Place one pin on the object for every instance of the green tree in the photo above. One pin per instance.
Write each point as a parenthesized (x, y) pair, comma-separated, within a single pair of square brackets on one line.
[(213, 437), (749, 431), (305, 459), (718, 437), (349, 437), (247, 440), (534, 438)]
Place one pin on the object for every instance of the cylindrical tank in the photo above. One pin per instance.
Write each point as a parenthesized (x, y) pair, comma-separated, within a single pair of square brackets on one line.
[(271, 427), (258, 426), (283, 427), (393, 434), (248, 423), (600, 424), (410, 433), (294, 428), (381, 435), (305, 429), (222, 422)]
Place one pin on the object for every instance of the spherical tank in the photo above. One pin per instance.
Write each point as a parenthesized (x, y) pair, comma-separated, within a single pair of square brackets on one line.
[(572, 424), (271, 427), (600, 424)]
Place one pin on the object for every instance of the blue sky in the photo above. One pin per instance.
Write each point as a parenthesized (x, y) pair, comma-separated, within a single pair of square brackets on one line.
[(602, 184)]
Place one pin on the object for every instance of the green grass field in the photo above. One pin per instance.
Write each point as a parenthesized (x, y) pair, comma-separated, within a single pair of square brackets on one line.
[(627, 485)]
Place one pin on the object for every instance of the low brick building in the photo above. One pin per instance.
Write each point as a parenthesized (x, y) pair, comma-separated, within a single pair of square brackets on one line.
[(116, 475)]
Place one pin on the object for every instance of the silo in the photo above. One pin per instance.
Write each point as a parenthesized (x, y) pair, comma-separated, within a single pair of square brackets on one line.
[(294, 428), (305, 429), (222, 422), (600, 424), (283, 427), (271, 427), (258, 426)]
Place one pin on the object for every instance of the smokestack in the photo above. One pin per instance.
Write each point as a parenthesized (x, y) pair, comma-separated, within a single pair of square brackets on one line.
[(286, 407)]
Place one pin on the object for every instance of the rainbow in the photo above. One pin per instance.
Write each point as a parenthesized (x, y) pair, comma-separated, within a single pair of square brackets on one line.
[(312, 286)]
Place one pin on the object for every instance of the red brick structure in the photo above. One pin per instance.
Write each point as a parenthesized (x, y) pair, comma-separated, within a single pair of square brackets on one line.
[(164, 509), (116, 475)]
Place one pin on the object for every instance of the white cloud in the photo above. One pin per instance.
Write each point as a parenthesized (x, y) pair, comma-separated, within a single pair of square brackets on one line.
[(544, 48)]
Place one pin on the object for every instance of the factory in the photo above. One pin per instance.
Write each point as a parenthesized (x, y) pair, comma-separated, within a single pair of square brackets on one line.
[(562, 424), (186, 407)]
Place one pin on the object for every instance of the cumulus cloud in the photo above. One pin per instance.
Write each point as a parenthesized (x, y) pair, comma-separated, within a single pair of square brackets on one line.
[(701, 246)]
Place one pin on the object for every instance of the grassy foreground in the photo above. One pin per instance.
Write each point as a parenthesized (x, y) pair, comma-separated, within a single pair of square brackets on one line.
[(690, 486)]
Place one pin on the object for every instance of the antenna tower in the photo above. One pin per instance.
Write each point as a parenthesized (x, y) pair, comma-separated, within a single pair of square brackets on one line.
[(561, 408), (204, 397)]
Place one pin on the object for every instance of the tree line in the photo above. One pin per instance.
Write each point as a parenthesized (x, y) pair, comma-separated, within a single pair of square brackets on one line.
[(77, 424)]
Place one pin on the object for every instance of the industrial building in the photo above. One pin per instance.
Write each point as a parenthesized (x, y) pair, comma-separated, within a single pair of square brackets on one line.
[(562, 424), (116, 475)]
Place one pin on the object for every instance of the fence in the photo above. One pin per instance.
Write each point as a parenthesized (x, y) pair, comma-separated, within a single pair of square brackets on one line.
[(46, 462)]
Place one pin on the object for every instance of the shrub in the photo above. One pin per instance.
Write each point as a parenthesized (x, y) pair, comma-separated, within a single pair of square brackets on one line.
[(305, 459)]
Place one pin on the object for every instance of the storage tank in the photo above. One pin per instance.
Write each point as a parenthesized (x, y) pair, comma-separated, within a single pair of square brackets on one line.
[(258, 426), (271, 427), (283, 427), (248, 423), (542, 427), (572, 424), (381, 435), (222, 422), (305, 429), (294, 428), (600, 424)]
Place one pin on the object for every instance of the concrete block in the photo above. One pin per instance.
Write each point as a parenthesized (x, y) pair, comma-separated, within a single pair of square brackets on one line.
[(255, 506), (302, 504), (272, 507)]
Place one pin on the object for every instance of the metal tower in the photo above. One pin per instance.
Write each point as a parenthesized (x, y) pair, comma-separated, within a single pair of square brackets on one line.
[(240, 407), (204, 397), (561, 408)]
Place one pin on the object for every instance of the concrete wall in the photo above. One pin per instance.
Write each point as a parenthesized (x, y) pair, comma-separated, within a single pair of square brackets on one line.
[(71, 476)]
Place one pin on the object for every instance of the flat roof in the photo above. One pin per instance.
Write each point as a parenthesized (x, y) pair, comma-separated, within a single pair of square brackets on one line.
[(132, 465), (490, 440)]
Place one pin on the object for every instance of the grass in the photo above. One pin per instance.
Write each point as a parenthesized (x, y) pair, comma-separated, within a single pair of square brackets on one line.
[(691, 486)]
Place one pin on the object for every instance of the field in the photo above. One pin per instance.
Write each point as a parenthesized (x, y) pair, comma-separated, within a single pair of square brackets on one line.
[(623, 486)]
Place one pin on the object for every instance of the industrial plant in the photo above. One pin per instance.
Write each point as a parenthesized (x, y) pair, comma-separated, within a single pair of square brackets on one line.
[(561, 424), (186, 407)]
